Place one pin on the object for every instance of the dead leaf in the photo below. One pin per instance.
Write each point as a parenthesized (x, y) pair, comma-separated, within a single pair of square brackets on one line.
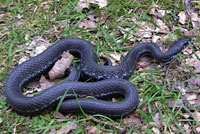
[(198, 130), (116, 56), (34, 84), (172, 103), (144, 63), (193, 82), (186, 115), (103, 18), (44, 83), (197, 66), (155, 38), (95, 130), (193, 15), (82, 4), (23, 59), (59, 116), (60, 66), (87, 24), (182, 17), (196, 116), (52, 131), (157, 117), (191, 96), (86, 3), (66, 129), (157, 12), (156, 130), (133, 119), (161, 26), (36, 46)]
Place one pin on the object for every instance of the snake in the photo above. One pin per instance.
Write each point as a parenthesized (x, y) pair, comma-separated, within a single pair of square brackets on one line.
[(110, 80)]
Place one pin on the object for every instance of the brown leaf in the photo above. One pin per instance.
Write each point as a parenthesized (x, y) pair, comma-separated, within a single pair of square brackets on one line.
[(182, 17), (198, 130), (133, 119), (102, 19), (59, 116), (144, 63), (87, 24), (23, 59), (191, 96), (116, 56), (157, 117), (197, 66), (156, 130), (157, 12), (196, 115), (193, 82), (60, 66), (172, 103), (44, 83), (85, 3), (161, 25), (34, 84), (100, 3), (191, 12), (66, 129), (52, 131), (38, 44), (95, 130)]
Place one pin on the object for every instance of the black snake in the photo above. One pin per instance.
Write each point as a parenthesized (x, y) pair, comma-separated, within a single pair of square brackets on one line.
[(111, 79)]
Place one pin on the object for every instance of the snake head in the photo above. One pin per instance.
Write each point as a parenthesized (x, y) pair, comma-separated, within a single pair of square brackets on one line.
[(178, 46)]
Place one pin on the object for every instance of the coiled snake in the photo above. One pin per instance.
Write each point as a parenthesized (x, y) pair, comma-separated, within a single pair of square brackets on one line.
[(111, 79)]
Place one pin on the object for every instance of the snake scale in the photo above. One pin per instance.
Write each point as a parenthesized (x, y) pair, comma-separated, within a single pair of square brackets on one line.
[(111, 79)]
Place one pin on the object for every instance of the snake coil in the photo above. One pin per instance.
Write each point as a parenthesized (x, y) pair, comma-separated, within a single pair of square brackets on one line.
[(111, 79)]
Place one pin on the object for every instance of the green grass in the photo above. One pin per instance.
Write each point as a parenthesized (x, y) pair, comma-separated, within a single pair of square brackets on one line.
[(27, 18)]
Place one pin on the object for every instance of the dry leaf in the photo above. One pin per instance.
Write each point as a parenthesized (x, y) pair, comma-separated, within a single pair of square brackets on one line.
[(196, 116), (87, 24), (197, 66), (156, 130), (39, 50), (116, 56), (38, 44), (85, 3), (52, 131), (157, 12), (66, 129), (23, 59), (34, 84), (100, 3), (59, 116), (182, 17), (161, 25), (133, 119), (172, 103), (144, 63), (60, 66), (44, 83), (191, 97), (95, 130), (155, 38), (193, 82), (198, 130), (157, 117)]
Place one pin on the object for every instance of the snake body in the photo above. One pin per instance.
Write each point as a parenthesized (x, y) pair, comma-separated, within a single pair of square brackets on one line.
[(111, 79)]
